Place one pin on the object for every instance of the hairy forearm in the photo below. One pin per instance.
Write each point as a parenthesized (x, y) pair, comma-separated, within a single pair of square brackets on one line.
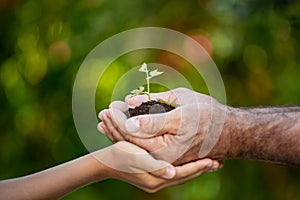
[(53, 183), (267, 134)]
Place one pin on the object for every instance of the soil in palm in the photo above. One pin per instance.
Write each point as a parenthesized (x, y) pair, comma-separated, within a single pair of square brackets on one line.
[(149, 107)]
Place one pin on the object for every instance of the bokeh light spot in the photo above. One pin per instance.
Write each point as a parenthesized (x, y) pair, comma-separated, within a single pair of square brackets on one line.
[(60, 52), (255, 57)]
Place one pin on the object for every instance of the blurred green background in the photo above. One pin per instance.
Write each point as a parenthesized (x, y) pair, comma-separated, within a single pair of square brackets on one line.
[(255, 44)]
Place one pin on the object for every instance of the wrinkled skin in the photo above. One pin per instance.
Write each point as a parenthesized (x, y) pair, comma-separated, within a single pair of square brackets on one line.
[(175, 136)]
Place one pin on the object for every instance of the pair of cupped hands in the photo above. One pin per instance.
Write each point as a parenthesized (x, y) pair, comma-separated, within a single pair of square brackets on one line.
[(160, 150)]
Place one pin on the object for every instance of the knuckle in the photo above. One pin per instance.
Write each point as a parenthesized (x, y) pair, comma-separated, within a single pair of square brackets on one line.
[(160, 155), (129, 139)]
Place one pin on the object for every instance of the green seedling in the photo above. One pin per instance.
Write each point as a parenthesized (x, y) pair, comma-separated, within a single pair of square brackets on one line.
[(149, 75)]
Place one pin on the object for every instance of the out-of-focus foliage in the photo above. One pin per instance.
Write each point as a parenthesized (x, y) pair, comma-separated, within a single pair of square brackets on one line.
[(255, 44)]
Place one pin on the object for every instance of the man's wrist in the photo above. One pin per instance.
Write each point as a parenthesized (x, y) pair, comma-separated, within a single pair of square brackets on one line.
[(233, 131), (238, 136), (226, 147)]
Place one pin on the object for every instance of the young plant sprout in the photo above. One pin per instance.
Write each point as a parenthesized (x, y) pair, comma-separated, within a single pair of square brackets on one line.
[(149, 75), (151, 106)]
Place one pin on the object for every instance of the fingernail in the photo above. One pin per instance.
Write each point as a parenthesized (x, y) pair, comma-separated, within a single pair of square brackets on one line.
[(170, 172), (100, 128), (216, 165), (213, 169), (136, 121), (100, 114)]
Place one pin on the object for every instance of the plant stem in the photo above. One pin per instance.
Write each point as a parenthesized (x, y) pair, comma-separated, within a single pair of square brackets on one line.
[(148, 83)]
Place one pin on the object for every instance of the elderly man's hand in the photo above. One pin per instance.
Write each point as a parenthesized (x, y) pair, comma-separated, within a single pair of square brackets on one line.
[(187, 133)]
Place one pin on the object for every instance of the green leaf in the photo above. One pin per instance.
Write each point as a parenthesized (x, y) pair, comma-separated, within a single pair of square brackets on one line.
[(141, 89), (143, 68), (138, 91), (155, 73)]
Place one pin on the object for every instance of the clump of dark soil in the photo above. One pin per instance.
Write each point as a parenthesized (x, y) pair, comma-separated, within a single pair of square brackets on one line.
[(149, 107)]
